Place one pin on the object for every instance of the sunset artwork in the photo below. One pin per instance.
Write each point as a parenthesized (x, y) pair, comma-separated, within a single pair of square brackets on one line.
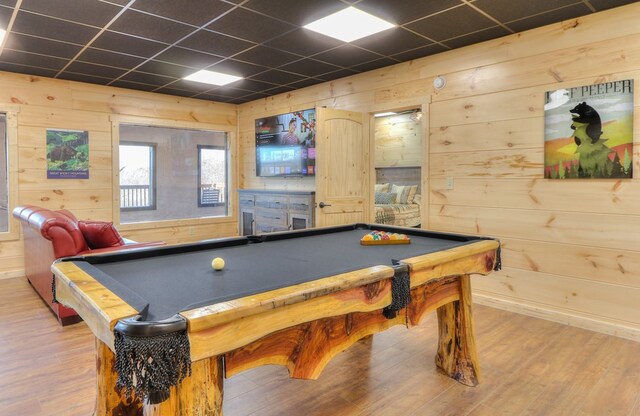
[(589, 131)]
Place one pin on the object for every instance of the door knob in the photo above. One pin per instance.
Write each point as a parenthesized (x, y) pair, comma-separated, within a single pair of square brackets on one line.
[(322, 205)]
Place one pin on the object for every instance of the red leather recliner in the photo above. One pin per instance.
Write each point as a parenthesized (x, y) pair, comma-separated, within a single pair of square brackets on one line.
[(49, 235)]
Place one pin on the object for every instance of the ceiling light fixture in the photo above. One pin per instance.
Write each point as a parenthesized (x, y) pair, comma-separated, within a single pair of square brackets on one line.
[(388, 113), (349, 24), (2, 35), (211, 77)]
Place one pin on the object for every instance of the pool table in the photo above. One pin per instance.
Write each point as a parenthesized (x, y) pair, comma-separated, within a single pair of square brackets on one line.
[(169, 327)]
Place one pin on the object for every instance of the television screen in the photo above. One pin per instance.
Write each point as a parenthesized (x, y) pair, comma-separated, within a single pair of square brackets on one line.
[(285, 144)]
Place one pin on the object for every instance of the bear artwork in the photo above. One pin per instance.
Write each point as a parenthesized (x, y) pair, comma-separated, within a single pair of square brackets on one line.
[(594, 154), (62, 153)]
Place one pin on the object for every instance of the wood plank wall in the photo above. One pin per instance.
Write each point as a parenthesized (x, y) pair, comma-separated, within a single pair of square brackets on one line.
[(398, 141), (48, 103), (571, 249)]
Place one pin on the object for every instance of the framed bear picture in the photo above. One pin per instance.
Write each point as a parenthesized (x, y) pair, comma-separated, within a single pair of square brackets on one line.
[(589, 131), (67, 154)]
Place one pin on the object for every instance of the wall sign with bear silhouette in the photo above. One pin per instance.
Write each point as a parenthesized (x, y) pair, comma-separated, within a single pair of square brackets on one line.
[(67, 154), (589, 131)]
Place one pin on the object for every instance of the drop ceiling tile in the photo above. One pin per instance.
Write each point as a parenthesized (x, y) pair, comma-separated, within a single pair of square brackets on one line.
[(90, 12), (237, 68), (305, 83), (254, 96), (97, 70), (404, 11), (392, 41), (150, 79), (150, 27), (23, 69), (508, 10), (133, 85), (193, 86), (32, 59), (42, 46), (477, 37), (162, 68), (277, 77), (267, 56), (278, 90), (298, 12), (117, 2), (209, 42), (346, 55), (8, 3), (309, 67), (56, 29), (341, 73), (252, 85), (213, 97), (70, 76), (419, 52), (174, 91), (600, 5), (375, 64), (187, 57), (130, 45), (451, 23), (245, 24), (119, 60), (548, 18), (303, 42), (5, 16), (231, 92), (197, 12)]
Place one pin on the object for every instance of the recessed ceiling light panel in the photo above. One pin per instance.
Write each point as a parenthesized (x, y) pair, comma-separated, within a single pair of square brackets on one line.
[(211, 77), (349, 24)]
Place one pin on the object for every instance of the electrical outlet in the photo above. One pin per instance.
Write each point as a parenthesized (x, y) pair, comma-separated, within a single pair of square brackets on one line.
[(449, 180)]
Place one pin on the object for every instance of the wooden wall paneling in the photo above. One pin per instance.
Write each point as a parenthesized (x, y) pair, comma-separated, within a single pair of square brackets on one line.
[(519, 163), (611, 266), (491, 135), (561, 65), (578, 296), (597, 196), (398, 141), (612, 231)]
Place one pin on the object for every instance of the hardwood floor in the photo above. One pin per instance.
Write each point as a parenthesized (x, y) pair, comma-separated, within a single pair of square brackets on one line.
[(530, 367)]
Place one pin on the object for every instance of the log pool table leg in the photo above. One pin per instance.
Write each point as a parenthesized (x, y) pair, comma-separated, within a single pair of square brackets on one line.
[(109, 399), (199, 394), (457, 355)]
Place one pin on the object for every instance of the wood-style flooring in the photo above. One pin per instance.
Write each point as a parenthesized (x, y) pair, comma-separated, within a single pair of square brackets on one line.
[(530, 367)]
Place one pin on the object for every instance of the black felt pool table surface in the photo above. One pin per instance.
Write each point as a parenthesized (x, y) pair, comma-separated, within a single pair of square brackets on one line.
[(170, 281)]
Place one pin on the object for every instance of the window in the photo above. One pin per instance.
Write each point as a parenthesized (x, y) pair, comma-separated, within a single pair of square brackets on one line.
[(212, 175), (180, 173), (137, 172)]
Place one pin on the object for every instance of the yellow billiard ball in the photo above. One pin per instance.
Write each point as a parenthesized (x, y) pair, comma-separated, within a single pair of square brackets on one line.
[(217, 263)]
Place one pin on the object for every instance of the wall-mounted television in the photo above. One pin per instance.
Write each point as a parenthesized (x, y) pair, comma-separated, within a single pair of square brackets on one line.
[(286, 144)]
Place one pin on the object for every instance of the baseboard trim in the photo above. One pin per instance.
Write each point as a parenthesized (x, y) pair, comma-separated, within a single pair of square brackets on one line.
[(11, 274), (563, 317)]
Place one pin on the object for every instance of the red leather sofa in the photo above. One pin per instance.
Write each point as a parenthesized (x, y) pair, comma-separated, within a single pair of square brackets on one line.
[(49, 235)]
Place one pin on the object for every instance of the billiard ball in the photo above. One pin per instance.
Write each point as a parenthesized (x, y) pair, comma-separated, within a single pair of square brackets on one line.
[(217, 263)]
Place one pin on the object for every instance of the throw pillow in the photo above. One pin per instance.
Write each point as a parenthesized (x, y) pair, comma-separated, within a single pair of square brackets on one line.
[(382, 187), (385, 198), (405, 194), (100, 234)]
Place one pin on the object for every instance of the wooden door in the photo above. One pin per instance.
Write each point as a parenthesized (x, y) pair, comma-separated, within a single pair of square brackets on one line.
[(342, 167)]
